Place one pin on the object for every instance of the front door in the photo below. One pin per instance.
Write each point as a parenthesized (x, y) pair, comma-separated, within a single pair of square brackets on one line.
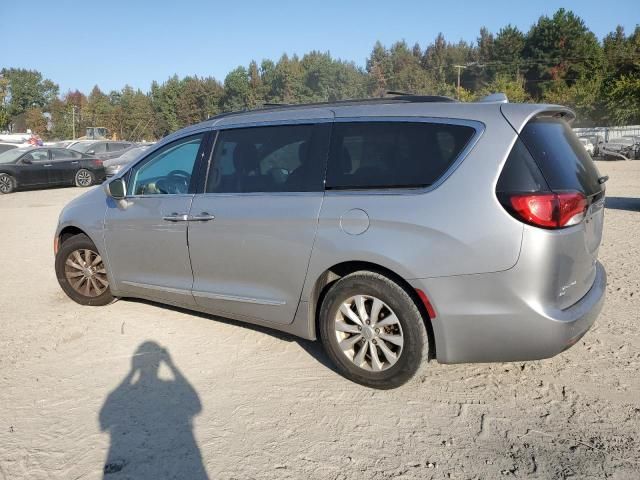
[(146, 233), (37, 169), (251, 232)]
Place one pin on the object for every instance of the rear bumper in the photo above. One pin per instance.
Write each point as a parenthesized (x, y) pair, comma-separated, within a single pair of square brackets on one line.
[(481, 319)]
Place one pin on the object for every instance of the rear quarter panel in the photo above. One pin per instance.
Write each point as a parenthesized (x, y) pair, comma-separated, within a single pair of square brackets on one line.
[(457, 228)]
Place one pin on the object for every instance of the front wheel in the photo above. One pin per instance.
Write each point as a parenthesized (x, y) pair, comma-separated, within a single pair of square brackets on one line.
[(373, 331), (7, 183), (84, 178), (81, 272)]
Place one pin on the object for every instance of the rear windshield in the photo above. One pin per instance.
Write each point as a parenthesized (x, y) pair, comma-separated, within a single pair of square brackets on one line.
[(370, 155), (563, 160)]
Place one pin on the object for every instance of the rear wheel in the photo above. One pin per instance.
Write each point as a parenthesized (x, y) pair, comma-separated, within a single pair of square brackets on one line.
[(7, 183), (81, 272), (84, 178), (373, 331)]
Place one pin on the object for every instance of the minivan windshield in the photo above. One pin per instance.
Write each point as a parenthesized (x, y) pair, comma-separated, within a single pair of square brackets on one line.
[(562, 159), (10, 156)]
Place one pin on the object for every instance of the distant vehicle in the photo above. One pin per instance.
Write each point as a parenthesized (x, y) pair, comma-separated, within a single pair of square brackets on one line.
[(597, 141), (636, 146), (7, 146), (102, 148), (588, 146), (33, 166), (114, 165), (621, 148), (96, 133)]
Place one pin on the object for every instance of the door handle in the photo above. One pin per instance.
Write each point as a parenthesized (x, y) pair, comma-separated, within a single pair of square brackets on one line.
[(74, 163), (176, 217), (203, 217), (48, 165)]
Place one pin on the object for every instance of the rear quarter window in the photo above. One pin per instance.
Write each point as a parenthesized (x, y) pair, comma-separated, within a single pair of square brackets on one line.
[(562, 159), (379, 155)]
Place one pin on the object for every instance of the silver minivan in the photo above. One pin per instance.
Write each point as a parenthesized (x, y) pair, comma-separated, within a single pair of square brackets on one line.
[(396, 230)]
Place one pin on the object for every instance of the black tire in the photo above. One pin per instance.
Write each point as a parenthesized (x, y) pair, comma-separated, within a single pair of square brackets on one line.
[(84, 178), (7, 183), (415, 350), (80, 243)]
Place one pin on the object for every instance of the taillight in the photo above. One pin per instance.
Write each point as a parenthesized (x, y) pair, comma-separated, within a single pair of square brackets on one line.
[(547, 210), (97, 162)]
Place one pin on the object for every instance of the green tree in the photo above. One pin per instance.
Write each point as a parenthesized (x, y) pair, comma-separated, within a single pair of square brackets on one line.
[(27, 89), (560, 48)]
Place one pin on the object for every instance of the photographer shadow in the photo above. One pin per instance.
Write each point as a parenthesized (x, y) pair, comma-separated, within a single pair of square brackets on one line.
[(150, 421)]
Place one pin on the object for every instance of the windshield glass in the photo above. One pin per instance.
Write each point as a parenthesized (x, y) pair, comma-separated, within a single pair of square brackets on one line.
[(12, 155)]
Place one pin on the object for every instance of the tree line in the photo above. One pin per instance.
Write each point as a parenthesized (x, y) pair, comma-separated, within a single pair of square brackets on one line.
[(559, 60)]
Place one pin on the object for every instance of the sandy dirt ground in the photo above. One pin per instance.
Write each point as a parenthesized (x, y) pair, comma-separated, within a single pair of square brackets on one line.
[(136, 390)]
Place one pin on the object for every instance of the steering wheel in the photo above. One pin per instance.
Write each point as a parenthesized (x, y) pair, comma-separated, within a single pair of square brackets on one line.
[(176, 182)]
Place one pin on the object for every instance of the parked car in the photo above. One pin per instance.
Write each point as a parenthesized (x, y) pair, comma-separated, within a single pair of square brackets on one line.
[(7, 146), (396, 230), (104, 149), (634, 154), (588, 146), (114, 165), (30, 167), (620, 148)]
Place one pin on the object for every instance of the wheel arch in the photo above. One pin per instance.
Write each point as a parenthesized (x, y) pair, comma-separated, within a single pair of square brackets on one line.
[(331, 275)]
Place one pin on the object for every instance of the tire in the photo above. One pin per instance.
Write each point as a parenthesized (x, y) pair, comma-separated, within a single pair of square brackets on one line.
[(84, 178), (81, 272), (336, 326), (7, 183)]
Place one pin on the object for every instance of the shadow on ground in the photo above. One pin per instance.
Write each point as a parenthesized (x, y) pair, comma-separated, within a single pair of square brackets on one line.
[(313, 348), (631, 204), (150, 421)]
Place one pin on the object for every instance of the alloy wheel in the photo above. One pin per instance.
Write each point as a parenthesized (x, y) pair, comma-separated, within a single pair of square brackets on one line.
[(6, 183), (86, 273), (368, 332), (83, 178)]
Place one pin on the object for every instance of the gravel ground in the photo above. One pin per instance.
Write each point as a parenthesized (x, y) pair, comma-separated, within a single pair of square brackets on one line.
[(137, 390)]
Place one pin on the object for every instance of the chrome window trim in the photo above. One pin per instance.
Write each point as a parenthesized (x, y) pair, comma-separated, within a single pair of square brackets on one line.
[(478, 126)]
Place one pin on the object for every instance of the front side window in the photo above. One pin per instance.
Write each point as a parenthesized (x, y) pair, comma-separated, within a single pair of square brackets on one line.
[(366, 155), (168, 170), (284, 158)]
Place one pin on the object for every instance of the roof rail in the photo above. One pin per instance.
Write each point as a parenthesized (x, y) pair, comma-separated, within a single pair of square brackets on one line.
[(494, 98), (399, 97)]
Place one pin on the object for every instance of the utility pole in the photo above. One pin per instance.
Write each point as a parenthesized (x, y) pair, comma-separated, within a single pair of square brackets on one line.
[(73, 120), (459, 67)]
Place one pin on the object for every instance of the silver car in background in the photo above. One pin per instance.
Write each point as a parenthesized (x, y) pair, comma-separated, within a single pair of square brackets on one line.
[(396, 230)]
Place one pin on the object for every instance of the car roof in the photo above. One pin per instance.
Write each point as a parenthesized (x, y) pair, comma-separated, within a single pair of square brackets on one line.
[(495, 106)]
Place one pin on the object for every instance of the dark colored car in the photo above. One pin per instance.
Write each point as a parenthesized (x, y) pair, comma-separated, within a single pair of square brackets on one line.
[(7, 146), (32, 167), (114, 165), (101, 148)]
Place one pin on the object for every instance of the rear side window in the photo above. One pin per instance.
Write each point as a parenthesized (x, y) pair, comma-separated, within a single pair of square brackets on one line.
[(366, 155), (563, 160), (286, 158), (520, 172)]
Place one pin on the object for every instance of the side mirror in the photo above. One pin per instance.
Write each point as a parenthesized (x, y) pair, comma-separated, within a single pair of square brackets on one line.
[(116, 189), (27, 161), (91, 152)]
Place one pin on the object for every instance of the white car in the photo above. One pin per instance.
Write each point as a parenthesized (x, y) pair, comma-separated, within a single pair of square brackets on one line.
[(588, 146)]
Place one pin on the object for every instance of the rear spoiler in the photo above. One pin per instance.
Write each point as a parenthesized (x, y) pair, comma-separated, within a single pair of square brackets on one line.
[(518, 114)]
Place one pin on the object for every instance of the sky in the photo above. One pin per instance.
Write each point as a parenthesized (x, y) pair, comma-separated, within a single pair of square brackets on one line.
[(111, 43)]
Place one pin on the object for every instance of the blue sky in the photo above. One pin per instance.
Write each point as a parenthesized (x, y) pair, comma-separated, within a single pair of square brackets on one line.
[(113, 43)]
